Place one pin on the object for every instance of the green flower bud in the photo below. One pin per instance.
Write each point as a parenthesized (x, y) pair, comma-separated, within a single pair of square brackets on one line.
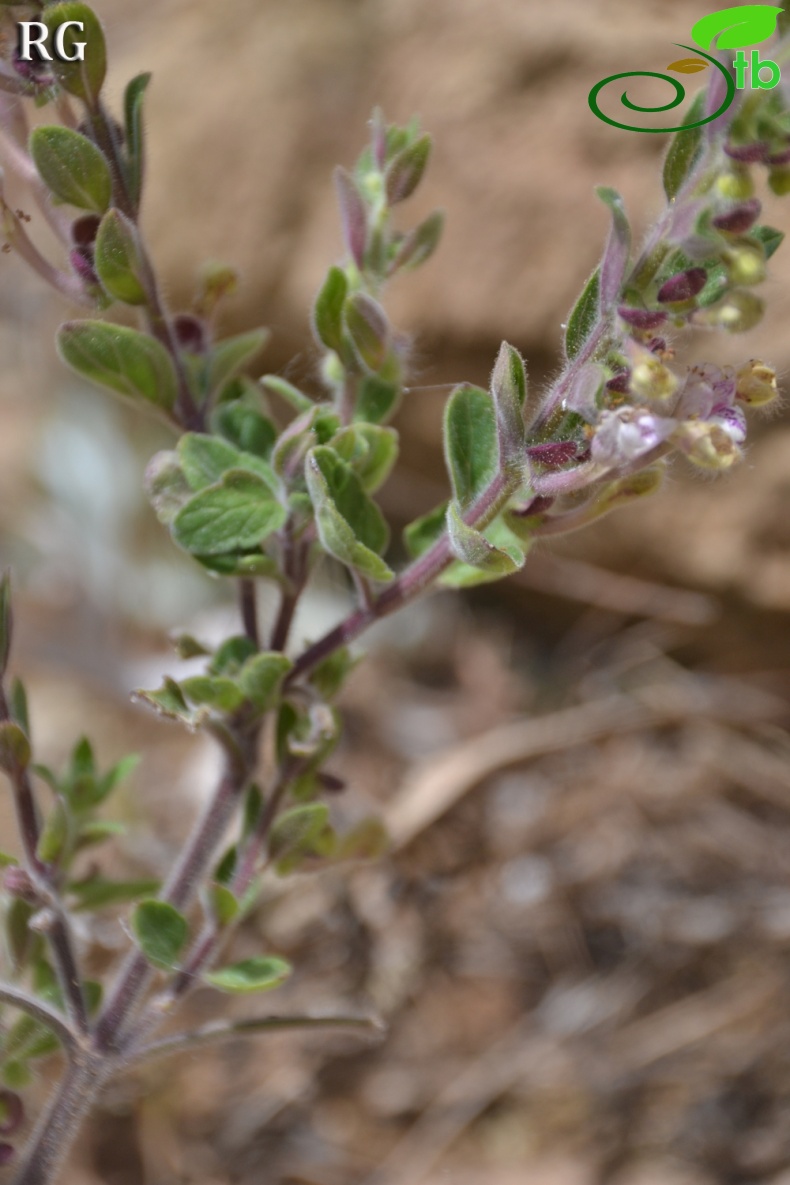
[(756, 384), (738, 312), (745, 263), (779, 180), (651, 380), (736, 184)]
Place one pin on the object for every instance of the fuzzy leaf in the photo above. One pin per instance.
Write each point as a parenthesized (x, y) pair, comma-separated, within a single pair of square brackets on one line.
[(471, 447), (368, 329), (232, 355), (123, 360), (377, 400), (219, 693), (161, 933), (615, 258), (509, 388), (583, 316), (770, 237), (96, 893), (72, 167), (419, 244), (14, 748), (236, 513), (405, 170), (287, 391), (83, 79), (251, 975), (350, 526), (261, 677), (245, 428), (135, 144), (205, 459), (328, 310), (370, 450), (472, 548), (424, 531), (117, 258), (295, 830), (684, 149), (55, 833), (353, 215)]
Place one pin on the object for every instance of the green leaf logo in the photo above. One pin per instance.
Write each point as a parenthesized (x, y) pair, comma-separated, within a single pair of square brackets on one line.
[(688, 65), (746, 24)]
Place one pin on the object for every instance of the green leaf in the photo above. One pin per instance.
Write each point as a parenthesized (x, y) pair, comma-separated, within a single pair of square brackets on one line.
[(769, 236), (205, 459), (261, 677), (223, 904), (245, 428), (377, 400), (55, 834), (236, 513), (684, 150), (426, 530), (745, 24), (219, 693), (472, 548), (17, 705), (329, 675), (367, 840), (20, 939), (168, 701), (505, 541), (72, 167), (405, 170), (95, 892), (251, 975), (117, 259), (135, 144), (96, 831), (350, 526), (124, 360), (471, 447), (583, 316), (81, 78), (287, 391), (509, 388), (419, 244), (370, 450), (328, 310), (231, 655), (118, 773), (14, 748), (368, 329), (296, 830), (232, 355), (161, 933), (618, 246)]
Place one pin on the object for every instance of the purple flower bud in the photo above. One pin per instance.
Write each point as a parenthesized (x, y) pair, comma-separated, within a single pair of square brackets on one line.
[(18, 883), (6, 1153), (657, 345), (684, 286), (84, 230), (747, 154), (554, 453), (778, 158), (738, 220), (330, 783), (35, 72), (353, 215), (618, 383), (190, 333), (12, 1112), (642, 318), (81, 259)]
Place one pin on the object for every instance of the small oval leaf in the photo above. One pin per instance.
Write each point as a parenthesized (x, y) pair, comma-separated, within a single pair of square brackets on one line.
[(688, 65)]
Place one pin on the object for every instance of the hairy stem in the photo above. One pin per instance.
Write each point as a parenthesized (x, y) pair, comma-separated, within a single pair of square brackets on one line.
[(40, 1011), (60, 1122)]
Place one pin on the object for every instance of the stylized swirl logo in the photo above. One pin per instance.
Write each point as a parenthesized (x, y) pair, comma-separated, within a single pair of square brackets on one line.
[(744, 24), (680, 94)]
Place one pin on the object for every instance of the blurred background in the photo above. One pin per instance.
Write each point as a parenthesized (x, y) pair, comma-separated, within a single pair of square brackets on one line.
[(580, 943)]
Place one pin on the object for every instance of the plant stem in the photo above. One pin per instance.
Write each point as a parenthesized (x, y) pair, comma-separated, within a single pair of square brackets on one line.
[(249, 611), (411, 583), (60, 1122), (183, 884), (216, 1031), (40, 1011)]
